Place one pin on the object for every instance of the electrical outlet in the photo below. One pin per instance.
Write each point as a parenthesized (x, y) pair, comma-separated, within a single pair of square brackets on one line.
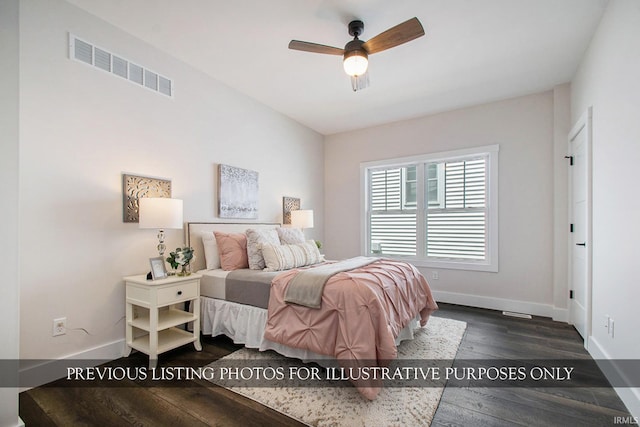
[(435, 275), (59, 326)]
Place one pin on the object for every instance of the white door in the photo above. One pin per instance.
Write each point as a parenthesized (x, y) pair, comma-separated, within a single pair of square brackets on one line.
[(580, 238)]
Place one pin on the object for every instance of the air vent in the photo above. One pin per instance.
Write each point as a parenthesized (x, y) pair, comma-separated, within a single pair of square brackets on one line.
[(86, 52), (120, 67), (150, 80), (102, 59), (136, 73), (83, 51), (519, 315)]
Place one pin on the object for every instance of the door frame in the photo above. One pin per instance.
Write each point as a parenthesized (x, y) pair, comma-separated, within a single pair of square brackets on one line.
[(585, 121)]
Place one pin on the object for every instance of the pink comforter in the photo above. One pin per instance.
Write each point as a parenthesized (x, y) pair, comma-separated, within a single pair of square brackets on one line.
[(362, 312)]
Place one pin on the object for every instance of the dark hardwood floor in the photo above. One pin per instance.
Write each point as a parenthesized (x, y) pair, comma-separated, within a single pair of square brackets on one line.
[(489, 335)]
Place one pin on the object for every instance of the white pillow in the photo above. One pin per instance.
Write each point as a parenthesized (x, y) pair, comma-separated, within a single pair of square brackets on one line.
[(211, 253), (285, 257), (290, 235)]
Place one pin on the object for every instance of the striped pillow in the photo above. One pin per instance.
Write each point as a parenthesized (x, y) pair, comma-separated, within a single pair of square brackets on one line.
[(286, 257)]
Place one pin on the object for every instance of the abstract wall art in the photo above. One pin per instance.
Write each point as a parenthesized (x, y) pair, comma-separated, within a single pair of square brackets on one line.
[(238, 194)]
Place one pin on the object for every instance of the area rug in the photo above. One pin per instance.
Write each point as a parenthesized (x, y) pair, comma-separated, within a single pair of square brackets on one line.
[(345, 406)]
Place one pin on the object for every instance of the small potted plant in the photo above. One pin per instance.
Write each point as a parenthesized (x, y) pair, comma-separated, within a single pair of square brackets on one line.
[(181, 257)]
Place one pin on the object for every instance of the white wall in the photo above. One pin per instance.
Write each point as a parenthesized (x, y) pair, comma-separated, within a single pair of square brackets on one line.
[(82, 128), (524, 129), (608, 79), (9, 303)]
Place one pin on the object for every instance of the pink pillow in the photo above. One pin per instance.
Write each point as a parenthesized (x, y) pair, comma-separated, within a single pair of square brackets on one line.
[(233, 250)]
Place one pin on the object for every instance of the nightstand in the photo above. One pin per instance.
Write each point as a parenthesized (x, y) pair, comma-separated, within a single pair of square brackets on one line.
[(155, 311)]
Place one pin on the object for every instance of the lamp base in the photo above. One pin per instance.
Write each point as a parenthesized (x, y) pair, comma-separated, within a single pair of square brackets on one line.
[(161, 246)]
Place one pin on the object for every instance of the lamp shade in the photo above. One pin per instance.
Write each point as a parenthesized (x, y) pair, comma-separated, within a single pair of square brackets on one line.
[(355, 62), (302, 218), (160, 213)]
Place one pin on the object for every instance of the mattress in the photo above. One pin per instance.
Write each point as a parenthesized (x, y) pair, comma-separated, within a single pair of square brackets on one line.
[(212, 283)]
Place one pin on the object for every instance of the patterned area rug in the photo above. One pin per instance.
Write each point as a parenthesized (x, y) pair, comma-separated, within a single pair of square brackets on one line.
[(345, 406)]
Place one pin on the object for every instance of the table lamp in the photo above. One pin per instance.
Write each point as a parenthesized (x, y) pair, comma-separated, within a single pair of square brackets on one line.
[(161, 213), (302, 218)]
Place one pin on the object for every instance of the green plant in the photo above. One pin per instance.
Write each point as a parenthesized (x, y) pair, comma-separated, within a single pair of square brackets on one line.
[(181, 257)]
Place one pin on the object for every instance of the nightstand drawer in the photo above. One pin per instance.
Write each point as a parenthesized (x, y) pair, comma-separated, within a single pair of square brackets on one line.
[(178, 292)]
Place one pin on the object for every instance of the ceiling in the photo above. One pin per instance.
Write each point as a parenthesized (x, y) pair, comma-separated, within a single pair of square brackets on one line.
[(474, 51)]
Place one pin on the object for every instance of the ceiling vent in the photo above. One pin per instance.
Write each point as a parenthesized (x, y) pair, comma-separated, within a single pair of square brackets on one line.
[(86, 52)]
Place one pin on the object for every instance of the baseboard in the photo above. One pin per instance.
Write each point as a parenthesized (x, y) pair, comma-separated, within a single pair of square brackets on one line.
[(560, 314), (630, 396), (43, 372), (503, 304)]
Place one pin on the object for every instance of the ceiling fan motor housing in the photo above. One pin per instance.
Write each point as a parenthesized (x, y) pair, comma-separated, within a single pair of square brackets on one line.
[(354, 46)]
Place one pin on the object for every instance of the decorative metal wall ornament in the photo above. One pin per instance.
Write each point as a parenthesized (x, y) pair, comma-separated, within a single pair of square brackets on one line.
[(238, 194), (135, 187), (289, 204)]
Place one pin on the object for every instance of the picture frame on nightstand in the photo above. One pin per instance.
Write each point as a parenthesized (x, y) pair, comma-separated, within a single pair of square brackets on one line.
[(158, 269)]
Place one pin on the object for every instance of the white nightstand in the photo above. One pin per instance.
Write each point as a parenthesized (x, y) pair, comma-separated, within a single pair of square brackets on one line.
[(155, 330)]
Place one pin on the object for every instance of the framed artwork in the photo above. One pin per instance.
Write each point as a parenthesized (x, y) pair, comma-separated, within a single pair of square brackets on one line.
[(135, 187), (238, 193), (289, 204), (158, 269)]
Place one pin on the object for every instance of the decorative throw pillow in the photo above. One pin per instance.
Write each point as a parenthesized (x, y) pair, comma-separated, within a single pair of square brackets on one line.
[(285, 257), (211, 254), (290, 236), (233, 250), (255, 240)]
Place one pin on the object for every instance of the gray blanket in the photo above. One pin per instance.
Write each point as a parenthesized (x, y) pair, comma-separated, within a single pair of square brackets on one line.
[(306, 287), (249, 287)]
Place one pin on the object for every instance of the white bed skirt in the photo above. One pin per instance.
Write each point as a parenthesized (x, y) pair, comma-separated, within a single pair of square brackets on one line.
[(245, 325)]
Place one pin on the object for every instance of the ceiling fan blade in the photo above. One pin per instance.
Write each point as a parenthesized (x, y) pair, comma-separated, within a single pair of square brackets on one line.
[(315, 48), (395, 36)]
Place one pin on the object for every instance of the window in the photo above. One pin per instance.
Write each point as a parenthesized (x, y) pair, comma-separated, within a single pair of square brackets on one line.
[(435, 184), (436, 210), (409, 182)]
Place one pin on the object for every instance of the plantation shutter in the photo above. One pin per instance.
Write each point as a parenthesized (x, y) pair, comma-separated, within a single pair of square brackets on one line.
[(456, 227), (392, 221)]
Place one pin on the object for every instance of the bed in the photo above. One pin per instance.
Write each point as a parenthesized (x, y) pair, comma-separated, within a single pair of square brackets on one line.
[(251, 306)]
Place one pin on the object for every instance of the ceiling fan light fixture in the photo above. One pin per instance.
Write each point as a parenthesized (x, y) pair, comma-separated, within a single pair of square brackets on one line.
[(355, 62)]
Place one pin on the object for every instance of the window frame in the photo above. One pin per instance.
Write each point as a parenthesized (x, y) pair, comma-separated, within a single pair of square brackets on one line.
[(490, 264)]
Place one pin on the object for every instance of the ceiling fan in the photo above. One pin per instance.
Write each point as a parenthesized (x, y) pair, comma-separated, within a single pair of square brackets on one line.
[(356, 52)]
